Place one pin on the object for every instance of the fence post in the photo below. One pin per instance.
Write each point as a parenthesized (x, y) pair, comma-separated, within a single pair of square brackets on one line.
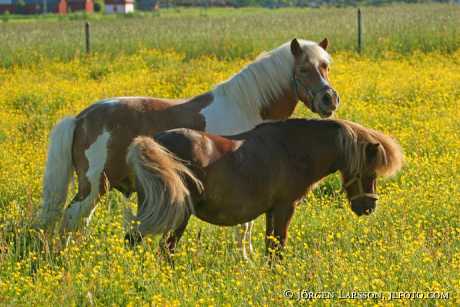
[(360, 32), (87, 38)]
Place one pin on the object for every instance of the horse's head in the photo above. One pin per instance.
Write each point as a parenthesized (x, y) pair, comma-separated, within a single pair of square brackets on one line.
[(361, 186), (368, 154), (310, 77)]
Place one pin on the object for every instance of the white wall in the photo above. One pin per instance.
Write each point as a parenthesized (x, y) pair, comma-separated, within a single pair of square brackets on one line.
[(118, 8)]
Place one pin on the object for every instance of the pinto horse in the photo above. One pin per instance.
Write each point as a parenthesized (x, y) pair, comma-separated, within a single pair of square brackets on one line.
[(94, 143), (232, 180)]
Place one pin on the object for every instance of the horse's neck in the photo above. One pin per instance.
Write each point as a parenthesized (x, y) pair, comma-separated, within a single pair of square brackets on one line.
[(280, 107), (261, 91), (315, 159), (225, 116)]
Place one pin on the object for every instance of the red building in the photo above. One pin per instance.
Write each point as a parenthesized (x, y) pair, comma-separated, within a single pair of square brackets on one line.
[(81, 5), (48, 6)]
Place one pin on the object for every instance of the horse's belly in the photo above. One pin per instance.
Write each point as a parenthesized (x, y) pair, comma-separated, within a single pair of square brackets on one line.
[(223, 215)]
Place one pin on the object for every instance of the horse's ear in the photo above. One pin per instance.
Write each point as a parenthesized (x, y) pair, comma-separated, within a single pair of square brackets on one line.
[(324, 43), (295, 48), (372, 150)]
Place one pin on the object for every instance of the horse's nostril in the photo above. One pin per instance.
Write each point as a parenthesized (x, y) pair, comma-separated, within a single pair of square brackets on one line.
[(327, 99)]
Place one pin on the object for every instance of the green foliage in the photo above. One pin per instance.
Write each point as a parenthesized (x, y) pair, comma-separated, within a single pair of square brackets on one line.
[(21, 6), (5, 16), (99, 6), (411, 242), (233, 33)]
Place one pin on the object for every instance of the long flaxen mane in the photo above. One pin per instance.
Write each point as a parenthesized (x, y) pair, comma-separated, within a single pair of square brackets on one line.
[(261, 82), (354, 139)]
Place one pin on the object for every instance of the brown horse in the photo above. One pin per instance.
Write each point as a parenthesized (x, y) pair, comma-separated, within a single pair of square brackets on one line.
[(232, 180), (94, 143)]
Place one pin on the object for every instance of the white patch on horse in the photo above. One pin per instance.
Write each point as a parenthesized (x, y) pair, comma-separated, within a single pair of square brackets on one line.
[(96, 155), (223, 117)]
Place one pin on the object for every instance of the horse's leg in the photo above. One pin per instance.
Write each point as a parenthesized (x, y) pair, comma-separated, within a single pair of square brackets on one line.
[(269, 243), (240, 233), (281, 219), (82, 206), (249, 237), (133, 235), (72, 213), (89, 166), (169, 240)]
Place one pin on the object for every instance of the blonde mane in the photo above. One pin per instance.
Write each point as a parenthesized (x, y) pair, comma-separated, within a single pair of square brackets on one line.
[(354, 140), (263, 81)]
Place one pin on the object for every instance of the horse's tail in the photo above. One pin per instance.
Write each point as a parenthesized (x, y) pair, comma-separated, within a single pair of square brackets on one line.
[(58, 173), (161, 180)]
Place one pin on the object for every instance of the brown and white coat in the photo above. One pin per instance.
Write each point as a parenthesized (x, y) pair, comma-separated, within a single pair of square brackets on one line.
[(94, 143)]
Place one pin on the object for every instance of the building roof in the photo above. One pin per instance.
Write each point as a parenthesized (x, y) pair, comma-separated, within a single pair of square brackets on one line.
[(120, 2)]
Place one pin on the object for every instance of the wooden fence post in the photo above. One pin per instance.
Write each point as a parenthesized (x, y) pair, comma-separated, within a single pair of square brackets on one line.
[(360, 32), (87, 38)]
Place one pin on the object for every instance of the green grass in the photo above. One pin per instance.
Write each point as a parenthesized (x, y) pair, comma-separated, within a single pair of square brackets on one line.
[(411, 243), (233, 33)]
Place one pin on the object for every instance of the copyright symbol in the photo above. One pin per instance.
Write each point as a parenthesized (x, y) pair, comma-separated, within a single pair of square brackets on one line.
[(288, 293)]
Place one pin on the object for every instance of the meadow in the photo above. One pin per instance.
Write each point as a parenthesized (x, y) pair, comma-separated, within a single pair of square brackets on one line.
[(232, 33), (411, 243)]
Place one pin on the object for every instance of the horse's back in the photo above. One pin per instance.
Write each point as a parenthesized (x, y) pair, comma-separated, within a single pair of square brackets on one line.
[(123, 119), (199, 147), (127, 112)]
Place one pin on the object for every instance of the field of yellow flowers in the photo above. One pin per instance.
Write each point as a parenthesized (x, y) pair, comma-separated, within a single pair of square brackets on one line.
[(410, 244)]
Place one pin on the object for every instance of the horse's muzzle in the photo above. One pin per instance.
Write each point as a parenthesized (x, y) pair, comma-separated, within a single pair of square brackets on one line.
[(329, 102), (363, 206)]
